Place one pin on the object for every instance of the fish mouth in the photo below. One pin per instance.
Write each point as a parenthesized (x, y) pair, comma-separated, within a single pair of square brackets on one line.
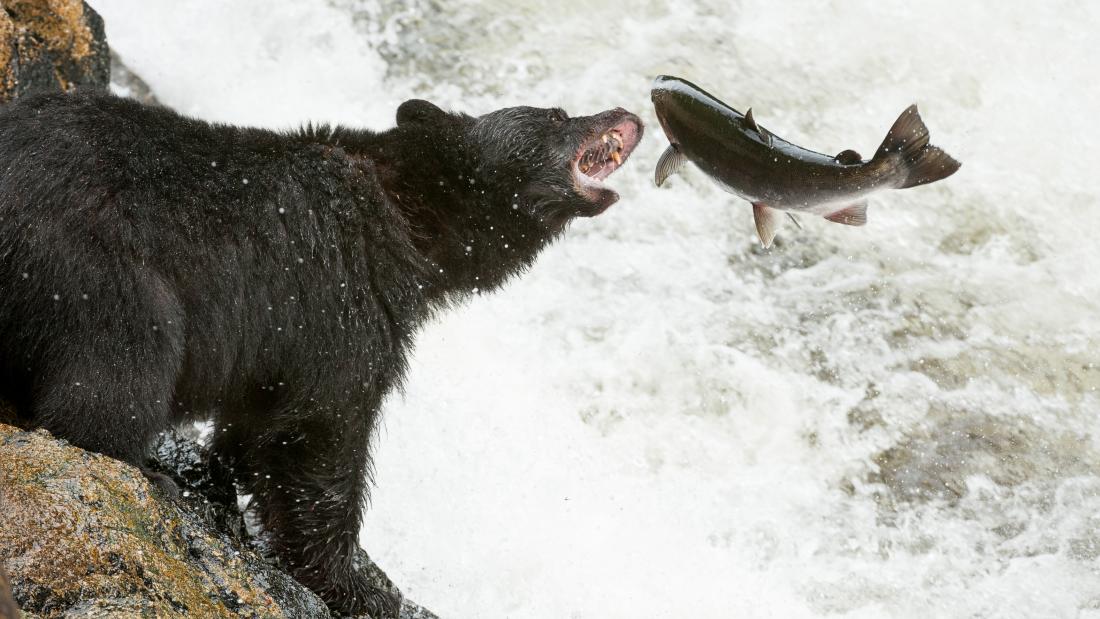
[(605, 150)]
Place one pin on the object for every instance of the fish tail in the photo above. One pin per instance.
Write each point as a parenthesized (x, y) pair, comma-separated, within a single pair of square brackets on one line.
[(920, 161)]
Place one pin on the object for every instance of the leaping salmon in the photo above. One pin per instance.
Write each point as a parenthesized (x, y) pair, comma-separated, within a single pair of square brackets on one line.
[(771, 173)]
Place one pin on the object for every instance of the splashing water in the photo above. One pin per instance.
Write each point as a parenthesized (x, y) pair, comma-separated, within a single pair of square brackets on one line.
[(661, 420)]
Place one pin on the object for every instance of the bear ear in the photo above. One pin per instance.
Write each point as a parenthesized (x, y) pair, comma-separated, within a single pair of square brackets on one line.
[(418, 110)]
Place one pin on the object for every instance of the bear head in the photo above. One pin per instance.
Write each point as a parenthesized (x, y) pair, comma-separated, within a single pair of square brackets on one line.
[(484, 194)]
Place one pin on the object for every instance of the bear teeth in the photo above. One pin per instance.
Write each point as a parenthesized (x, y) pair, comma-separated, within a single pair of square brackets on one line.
[(608, 149)]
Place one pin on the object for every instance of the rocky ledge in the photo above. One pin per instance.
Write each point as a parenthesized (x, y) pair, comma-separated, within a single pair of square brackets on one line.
[(83, 535), (50, 45)]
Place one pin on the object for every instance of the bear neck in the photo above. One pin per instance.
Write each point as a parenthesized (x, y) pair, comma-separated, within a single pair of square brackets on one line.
[(473, 237)]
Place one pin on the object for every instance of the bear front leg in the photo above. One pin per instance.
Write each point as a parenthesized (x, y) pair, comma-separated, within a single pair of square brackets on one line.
[(309, 486)]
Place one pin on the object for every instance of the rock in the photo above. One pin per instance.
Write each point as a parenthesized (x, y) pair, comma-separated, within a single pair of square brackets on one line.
[(7, 604), (88, 536), (84, 535), (50, 45), (936, 460), (126, 83)]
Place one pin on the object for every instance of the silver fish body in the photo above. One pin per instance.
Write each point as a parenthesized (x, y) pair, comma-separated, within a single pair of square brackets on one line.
[(772, 173)]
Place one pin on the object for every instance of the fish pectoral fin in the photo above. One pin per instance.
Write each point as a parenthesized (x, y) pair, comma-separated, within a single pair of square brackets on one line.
[(766, 223), (794, 220), (670, 162), (851, 215), (848, 157), (751, 123)]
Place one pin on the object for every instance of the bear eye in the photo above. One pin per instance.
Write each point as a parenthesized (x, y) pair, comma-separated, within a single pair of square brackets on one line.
[(558, 115)]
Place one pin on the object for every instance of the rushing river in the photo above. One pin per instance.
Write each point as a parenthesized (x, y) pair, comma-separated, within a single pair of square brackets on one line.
[(663, 420)]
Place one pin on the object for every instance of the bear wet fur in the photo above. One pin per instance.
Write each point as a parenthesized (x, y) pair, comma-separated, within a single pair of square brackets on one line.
[(156, 269)]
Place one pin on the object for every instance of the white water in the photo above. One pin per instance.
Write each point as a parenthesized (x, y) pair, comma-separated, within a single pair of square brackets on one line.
[(661, 420)]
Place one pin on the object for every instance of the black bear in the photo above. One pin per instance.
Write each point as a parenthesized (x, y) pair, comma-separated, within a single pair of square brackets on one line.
[(156, 269)]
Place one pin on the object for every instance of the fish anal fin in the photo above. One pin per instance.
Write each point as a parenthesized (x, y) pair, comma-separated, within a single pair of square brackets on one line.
[(670, 162), (848, 157), (766, 223), (851, 215)]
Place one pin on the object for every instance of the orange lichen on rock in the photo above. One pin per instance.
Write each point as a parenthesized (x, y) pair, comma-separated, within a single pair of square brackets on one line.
[(84, 531), (50, 45), (7, 47), (59, 23)]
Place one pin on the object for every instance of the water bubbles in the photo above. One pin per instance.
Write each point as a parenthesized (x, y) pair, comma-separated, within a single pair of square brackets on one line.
[(694, 323)]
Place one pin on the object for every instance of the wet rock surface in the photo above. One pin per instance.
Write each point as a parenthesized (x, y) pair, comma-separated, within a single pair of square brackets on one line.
[(126, 83), (7, 604), (88, 536), (936, 461), (51, 45), (84, 535)]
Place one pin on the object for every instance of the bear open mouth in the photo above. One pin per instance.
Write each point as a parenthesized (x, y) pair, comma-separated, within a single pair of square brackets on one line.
[(604, 153)]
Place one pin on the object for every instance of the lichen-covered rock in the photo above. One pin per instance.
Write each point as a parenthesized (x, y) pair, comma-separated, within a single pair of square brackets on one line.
[(50, 45), (7, 604), (84, 535), (87, 536)]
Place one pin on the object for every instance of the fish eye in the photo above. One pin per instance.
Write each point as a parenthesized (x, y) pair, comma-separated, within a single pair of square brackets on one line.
[(558, 115)]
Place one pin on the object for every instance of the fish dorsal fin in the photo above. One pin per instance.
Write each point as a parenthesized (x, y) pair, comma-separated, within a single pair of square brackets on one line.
[(670, 162), (750, 122), (766, 223), (848, 157), (851, 215)]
